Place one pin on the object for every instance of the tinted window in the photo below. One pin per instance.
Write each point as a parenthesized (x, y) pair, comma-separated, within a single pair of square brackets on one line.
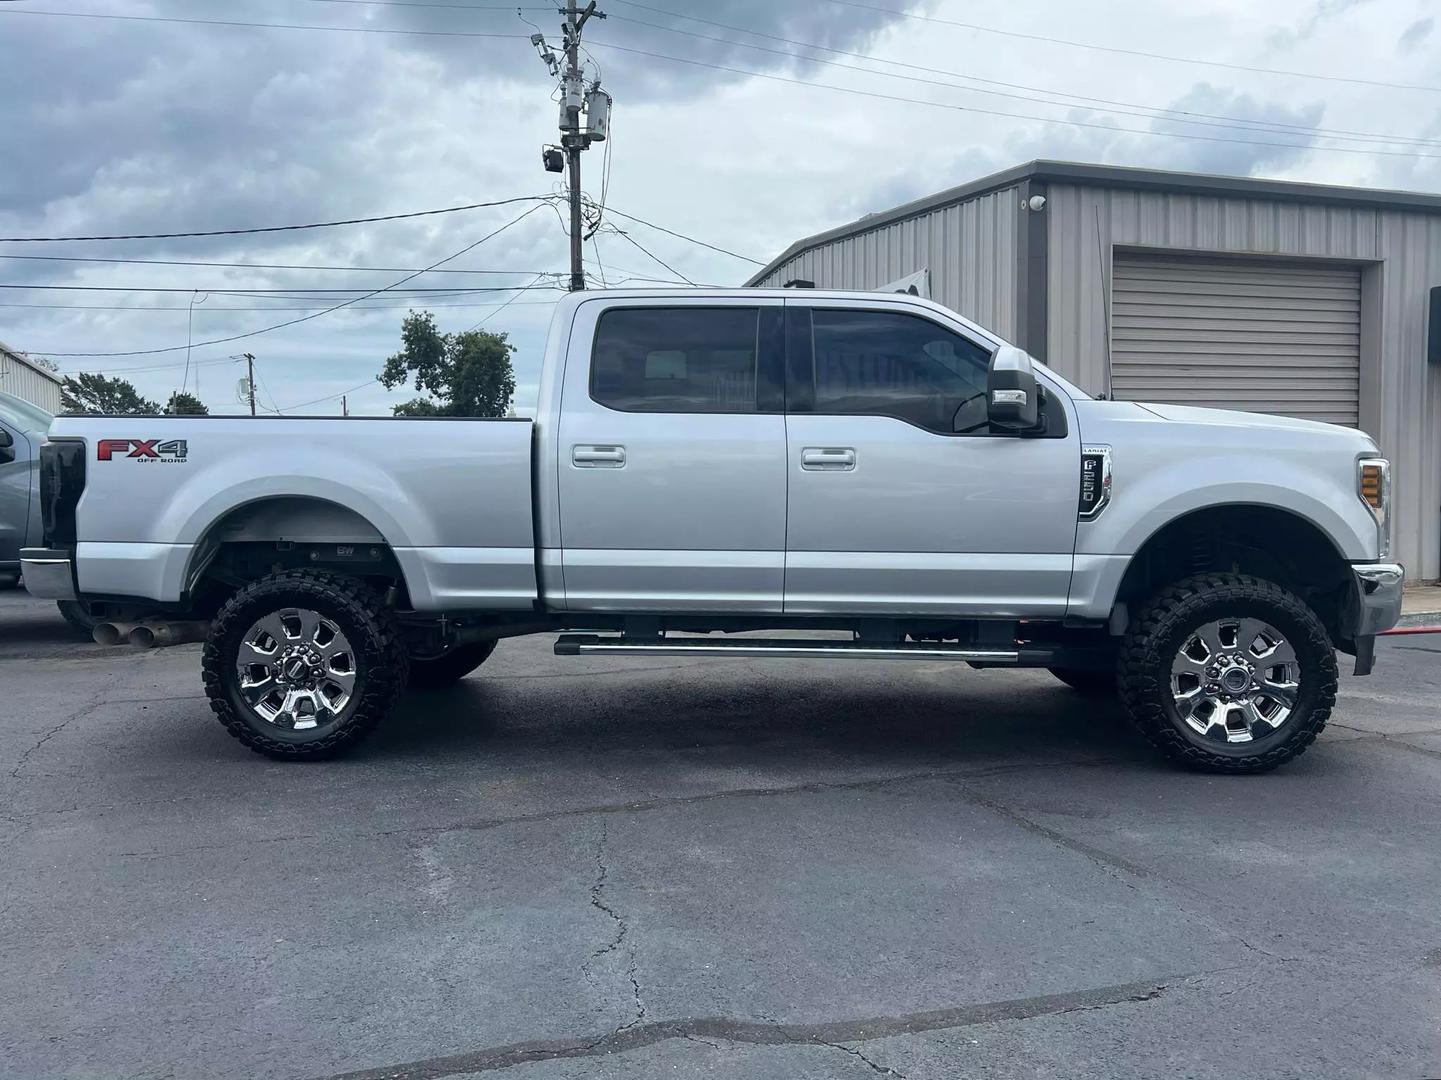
[(881, 364), (676, 360)]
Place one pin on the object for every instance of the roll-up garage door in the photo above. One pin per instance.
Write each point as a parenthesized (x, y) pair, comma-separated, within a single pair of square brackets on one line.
[(1237, 334)]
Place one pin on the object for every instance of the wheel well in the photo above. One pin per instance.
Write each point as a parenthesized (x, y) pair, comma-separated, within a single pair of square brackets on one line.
[(1259, 540), (283, 533)]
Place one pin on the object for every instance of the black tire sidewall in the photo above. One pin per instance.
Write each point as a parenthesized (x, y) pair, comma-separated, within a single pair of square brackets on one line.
[(1186, 607), (359, 614)]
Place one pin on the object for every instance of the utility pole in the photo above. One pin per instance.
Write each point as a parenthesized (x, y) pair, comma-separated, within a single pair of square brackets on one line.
[(250, 378), (344, 406), (572, 140), (575, 137)]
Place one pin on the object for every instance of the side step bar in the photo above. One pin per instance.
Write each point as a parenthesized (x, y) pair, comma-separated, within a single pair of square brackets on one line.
[(592, 645)]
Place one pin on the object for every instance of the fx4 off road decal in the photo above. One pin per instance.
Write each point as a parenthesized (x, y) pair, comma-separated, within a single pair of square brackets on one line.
[(144, 450)]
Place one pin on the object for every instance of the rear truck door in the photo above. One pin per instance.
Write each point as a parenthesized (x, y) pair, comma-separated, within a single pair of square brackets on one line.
[(672, 447), (901, 500)]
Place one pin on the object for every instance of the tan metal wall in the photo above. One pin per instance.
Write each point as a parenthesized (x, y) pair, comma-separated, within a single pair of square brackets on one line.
[(970, 248), (1398, 252), (23, 381)]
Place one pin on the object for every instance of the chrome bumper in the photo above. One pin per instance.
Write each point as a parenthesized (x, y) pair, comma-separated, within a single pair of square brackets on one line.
[(1378, 597), (48, 574)]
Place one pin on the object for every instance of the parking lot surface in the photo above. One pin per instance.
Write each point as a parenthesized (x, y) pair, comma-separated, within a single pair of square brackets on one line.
[(608, 867)]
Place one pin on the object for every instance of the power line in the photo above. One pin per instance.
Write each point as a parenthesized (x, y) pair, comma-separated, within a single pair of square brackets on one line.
[(308, 307), (434, 4), (315, 315), (1130, 52), (486, 318), (682, 236), (328, 397), (284, 294), (253, 266), (1148, 111), (260, 25), (646, 253), (269, 228), (1008, 115)]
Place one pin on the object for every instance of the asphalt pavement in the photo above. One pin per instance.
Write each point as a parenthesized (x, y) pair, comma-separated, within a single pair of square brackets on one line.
[(605, 867)]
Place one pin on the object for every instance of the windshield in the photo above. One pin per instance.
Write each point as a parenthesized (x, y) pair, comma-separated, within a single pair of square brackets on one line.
[(23, 414)]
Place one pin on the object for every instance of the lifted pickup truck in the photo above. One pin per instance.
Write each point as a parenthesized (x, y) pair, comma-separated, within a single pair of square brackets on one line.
[(716, 461)]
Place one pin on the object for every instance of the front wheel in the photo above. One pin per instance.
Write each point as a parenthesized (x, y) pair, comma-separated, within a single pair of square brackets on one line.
[(1228, 673), (303, 664)]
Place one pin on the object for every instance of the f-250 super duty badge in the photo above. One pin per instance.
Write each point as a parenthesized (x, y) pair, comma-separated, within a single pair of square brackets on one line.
[(146, 450)]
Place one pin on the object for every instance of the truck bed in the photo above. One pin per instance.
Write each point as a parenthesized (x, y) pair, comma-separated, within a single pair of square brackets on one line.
[(452, 497)]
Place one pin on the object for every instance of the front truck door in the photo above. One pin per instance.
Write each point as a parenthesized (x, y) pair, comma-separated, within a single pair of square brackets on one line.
[(672, 471), (901, 500)]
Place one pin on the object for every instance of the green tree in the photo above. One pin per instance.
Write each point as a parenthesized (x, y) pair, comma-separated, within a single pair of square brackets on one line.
[(183, 404), (468, 373), (94, 395)]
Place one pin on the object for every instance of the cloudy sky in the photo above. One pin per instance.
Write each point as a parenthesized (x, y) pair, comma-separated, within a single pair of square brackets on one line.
[(166, 120)]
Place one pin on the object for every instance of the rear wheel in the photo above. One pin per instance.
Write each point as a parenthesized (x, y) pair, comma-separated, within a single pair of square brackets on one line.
[(432, 673), (303, 664), (1093, 683), (1228, 673)]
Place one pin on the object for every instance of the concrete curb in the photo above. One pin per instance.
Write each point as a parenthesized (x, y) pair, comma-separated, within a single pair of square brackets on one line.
[(1412, 620)]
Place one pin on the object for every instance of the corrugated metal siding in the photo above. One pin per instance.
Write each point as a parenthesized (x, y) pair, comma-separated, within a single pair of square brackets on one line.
[(1248, 334), (1400, 394), (25, 382), (969, 247)]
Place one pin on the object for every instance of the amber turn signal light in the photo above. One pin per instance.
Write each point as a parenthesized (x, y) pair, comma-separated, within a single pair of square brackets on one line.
[(1373, 485)]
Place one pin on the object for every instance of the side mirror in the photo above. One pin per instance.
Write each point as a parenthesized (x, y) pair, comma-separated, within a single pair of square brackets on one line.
[(1012, 397), (7, 441)]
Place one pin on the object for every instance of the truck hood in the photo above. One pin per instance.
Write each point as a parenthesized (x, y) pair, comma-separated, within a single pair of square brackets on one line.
[(1191, 414)]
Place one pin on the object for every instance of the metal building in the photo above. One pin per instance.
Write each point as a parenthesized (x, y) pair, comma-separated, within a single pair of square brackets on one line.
[(1300, 299), (22, 378)]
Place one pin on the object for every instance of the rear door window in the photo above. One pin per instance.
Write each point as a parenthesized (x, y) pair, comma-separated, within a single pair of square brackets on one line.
[(676, 360)]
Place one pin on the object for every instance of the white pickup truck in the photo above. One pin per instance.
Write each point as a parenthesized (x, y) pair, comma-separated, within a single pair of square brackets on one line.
[(709, 462)]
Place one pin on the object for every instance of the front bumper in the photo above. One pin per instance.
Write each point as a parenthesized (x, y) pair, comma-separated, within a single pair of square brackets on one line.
[(48, 574), (1375, 607), (1378, 597)]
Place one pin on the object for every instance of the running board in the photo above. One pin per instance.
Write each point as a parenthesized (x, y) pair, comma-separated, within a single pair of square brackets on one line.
[(591, 645)]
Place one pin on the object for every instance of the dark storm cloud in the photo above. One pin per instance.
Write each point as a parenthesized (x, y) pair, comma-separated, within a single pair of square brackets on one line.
[(132, 126)]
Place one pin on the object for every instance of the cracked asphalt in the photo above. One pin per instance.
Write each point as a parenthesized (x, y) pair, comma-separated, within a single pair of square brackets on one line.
[(607, 868)]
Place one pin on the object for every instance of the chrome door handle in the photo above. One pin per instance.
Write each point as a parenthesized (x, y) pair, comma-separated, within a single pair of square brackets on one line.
[(828, 459), (598, 457)]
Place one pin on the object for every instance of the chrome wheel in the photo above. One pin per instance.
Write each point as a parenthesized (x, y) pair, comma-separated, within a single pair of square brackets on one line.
[(296, 669), (1235, 680)]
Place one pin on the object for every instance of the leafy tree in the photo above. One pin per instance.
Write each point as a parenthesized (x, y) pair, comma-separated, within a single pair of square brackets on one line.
[(92, 395), (43, 362), (183, 404), (468, 373)]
